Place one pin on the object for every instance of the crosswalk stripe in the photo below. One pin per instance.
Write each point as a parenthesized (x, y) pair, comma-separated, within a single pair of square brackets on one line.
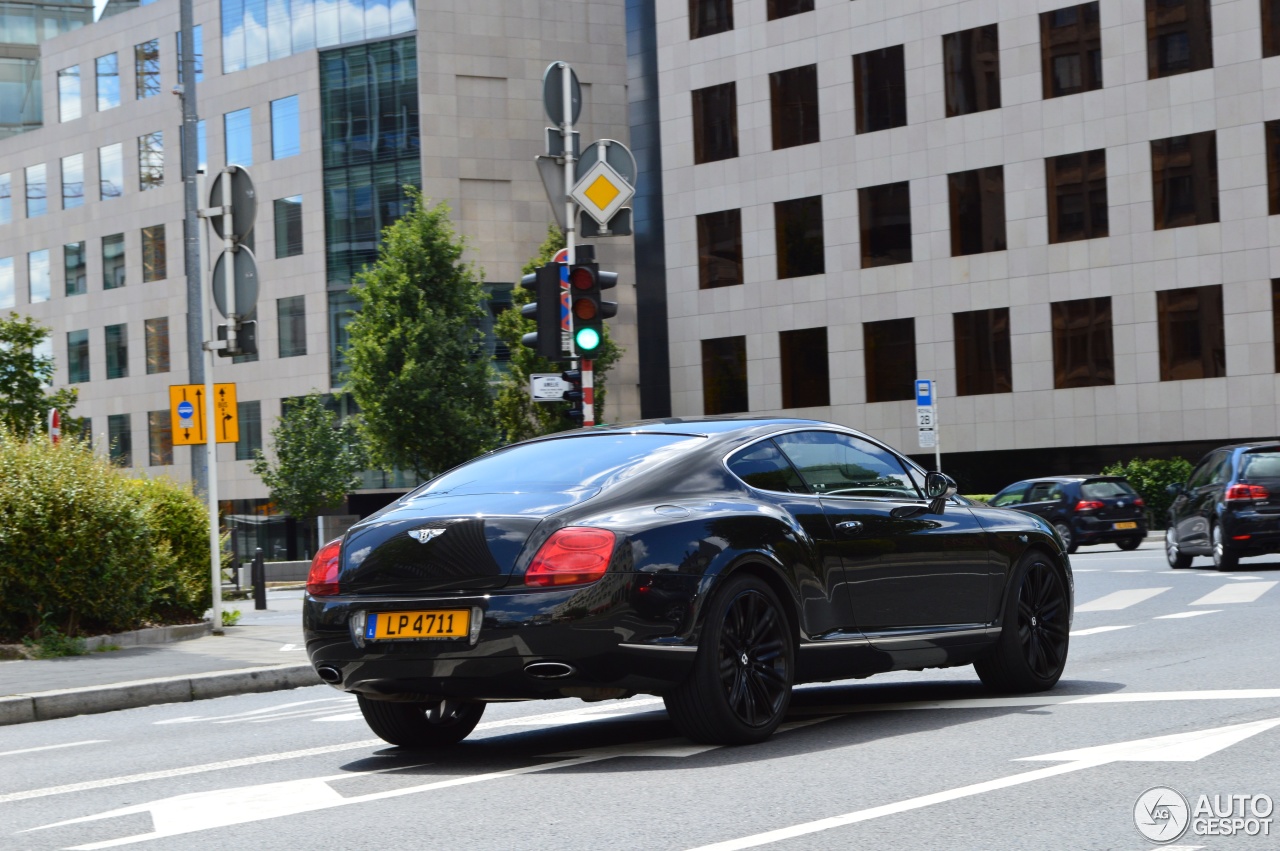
[(1243, 592), (1097, 629), (1187, 614), (1118, 600)]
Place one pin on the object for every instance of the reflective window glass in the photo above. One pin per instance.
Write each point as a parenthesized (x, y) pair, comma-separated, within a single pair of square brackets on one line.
[(708, 17), (120, 439), (884, 218), (798, 237), (117, 339), (197, 37), (1192, 338), (1179, 37), (715, 123), (151, 160), (1070, 50), (156, 332), (155, 265), (37, 191), (72, 181), (762, 465), (7, 285), (1184, 177), (77, 356), (880, 89), (75, 268), (841, 465), (720, 249), (286, 139), (977, 210), (971, 70), (805, 369), (983, 360), (159, 438), (113, 261), (794, 100), (724, 375), (250, 416), (889, 355), (288, 222), (6, 198), (238, 137), (39, 287), (1077, 195), (291, 316), (69, 93), (1083, 354), (111, 171), (107, 70), (146, 69)]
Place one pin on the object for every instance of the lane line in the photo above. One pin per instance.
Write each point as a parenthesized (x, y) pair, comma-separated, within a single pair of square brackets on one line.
[(1117, 600), (1044, 700), (54, 747), (1245, 592), (1187, 614), (1131, 571), (1097, 629)]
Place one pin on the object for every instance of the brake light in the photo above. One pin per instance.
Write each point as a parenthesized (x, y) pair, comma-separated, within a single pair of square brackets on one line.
[(322, 581), (1140, 502), (574, 555), (1088, 505), (1246, 493)]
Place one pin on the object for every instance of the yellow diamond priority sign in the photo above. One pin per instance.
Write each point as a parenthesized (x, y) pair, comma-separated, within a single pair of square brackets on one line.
[(602, 192)]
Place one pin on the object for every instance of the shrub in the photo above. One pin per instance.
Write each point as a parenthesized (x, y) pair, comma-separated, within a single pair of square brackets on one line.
[(1150, 477), (179, 574)]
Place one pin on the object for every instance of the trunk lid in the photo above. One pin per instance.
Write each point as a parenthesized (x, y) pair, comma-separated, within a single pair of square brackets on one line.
[(1118, 498)]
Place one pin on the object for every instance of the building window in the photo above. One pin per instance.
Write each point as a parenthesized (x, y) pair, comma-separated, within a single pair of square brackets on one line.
[(7, 286), (889, 353), (715, 123), (72, 181), (157, 340), (794, 97), (146, 68), (154, 264), (291, 315), (111, 171), (117, 337), (1273, 166), (1179, 37), (1070, 50), (1082, 348), (1270, 28), (288, 220), (1184, 176), (708, 17), (977, 210), (880, 89), (884, 216), (69, 93), (724, 375), (720, 249), (37, 191), (1077, 189), (6, 198), (971, 70), (151, 160), (108, 81), (342, 309), (1275, 318), (120, 438), (286, 138), (39, 287), (805, 376), (238, 137), (75, 268), (202, 149), (159, 439), (250, 416), (113, 261), (1192, 340), (798, 233), (254, 32), (786, 8), (197, 37), (983, 362), (77, 357)]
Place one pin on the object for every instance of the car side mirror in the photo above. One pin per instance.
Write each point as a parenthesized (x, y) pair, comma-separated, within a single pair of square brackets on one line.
[(939, 488)]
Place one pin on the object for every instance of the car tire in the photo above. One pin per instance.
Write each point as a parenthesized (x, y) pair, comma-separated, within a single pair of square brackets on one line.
[(1031, 652), (1130, 543), (740, 687), (1223, 558), (1178, 560), (1068, 538), (421, 725)]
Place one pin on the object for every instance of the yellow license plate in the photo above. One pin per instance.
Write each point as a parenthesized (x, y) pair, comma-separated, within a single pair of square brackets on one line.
[(439, 623), (1126, 525)]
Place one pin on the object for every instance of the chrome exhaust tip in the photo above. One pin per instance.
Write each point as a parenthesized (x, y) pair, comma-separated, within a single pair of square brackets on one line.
[(329, 674), (549, 670)]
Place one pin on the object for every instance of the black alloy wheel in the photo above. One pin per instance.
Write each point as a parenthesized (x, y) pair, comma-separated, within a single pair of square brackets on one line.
[(1068, 538), (740, 687), (1031, 652), (1223, 558), (1178, 560), (421, 725)]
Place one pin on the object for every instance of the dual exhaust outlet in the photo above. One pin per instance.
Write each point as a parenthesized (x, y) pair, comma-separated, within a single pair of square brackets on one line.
[(540, 670)]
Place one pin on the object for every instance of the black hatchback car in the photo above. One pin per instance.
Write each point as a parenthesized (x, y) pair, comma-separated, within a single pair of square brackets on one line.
[(1229, 508), (1084, 509)]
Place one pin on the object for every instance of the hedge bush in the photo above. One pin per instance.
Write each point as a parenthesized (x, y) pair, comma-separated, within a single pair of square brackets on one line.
[(1150, 477), (84, 548)]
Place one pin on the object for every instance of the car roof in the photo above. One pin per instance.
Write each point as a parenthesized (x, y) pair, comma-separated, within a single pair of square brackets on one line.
[(1257, 444), (1077, 477)]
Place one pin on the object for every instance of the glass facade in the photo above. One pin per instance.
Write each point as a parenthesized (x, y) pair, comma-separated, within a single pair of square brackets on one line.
[(113, 261), (75, 269), (77, 356), (24, 26), (69, 93), (37, 190), (238, 137), (155, 265), (151, 160), (202, 148), (110, 171), (146, 69), (288, 220), (72, 181), (6, 198), (6, 282), (197, 36), (117, 337), (107, 74), (286, 139), (38, 285), (292, 320), (257, 31)]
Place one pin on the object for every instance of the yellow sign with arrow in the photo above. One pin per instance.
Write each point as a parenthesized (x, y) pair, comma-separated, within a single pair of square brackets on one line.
[(189, 415)]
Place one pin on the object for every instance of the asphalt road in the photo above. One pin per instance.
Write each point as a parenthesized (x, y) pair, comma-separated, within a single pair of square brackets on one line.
[(904, 761)]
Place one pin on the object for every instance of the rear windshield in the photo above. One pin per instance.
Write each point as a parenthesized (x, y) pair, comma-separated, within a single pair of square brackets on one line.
[(1260, 465), (589, 461), (1106, 489)]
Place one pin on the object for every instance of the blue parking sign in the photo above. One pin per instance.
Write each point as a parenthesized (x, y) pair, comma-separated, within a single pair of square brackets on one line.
[(924, 392)]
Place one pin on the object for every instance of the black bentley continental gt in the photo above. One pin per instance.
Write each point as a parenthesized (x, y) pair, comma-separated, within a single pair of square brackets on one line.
[(714, 562)]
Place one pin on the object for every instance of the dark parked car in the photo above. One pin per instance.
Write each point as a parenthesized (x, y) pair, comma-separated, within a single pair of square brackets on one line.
[(1228, 509), (1084, 509), (714, 562)]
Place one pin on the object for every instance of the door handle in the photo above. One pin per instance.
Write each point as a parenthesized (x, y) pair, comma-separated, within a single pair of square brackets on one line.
[(849, 527)]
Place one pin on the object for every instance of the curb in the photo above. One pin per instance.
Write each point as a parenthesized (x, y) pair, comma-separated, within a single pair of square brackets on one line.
[(133, 638), (65, 703)]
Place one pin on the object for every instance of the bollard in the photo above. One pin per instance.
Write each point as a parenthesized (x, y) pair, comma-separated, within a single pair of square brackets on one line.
[(259, 581)]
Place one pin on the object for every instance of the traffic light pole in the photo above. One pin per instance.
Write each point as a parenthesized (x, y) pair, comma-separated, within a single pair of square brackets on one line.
[(588, 394), (210, 430), (570, 214)]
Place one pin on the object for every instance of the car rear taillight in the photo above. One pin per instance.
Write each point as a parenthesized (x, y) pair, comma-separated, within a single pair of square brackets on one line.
[(322, 581), (574, 555), (1246, 493), (1088, 505), (1140, 502)]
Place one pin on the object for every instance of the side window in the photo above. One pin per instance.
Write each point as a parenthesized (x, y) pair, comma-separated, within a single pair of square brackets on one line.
[(763, 466), (840, 465), (1044, 492), (1222, 471), (1057, 493), (1011, 495), (1206, 473)]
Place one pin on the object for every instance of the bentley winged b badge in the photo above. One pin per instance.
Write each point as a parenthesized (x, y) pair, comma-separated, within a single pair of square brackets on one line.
[(424, 535)]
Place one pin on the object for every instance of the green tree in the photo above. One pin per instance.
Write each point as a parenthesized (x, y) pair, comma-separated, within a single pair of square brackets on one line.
[(1150, 477), (418, 369), (519, 417), (318, 459), (24, 378)]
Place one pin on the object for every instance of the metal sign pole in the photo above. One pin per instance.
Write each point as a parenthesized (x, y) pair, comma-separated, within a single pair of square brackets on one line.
[(211, 441), (588, 394), (570, 229)]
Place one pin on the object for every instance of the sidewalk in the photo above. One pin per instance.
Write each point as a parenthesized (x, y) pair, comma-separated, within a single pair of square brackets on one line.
[(263, 652)]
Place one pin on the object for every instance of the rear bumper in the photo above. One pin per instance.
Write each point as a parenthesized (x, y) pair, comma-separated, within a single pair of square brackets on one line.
[(1091, 530), (1262, 529), (622, 634)]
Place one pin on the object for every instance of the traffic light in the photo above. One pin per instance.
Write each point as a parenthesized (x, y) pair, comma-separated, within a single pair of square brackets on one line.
[(573, 377), (587, 304), (243, 342), (545, 311)]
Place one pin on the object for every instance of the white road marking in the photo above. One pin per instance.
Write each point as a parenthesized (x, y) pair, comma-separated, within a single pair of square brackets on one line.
[(1117, 600), (1097, 629), (187, 719), (54, 747), (1131, 571), (1085, 570), (1187, 614), (1182, 747), (289, 647), (1239, 578), (1047, 700), (1244, 593)]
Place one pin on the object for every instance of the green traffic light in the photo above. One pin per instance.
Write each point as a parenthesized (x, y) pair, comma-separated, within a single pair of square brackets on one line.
[(587, 339)]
